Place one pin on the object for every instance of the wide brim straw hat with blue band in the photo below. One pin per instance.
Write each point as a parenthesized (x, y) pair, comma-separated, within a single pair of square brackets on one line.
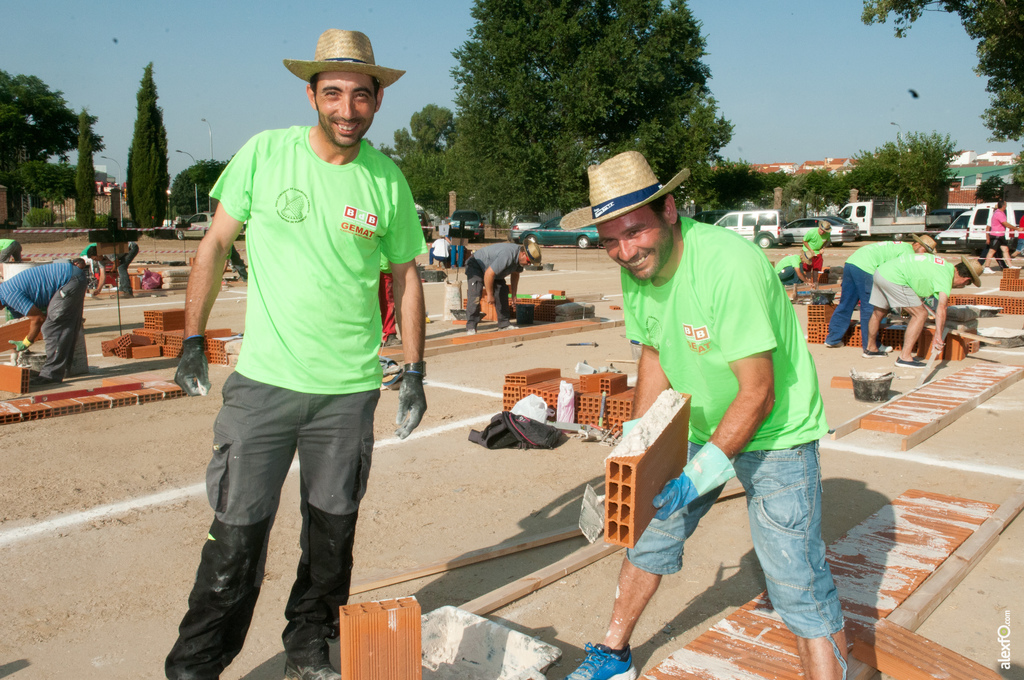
[(620, 185), (348, 51)]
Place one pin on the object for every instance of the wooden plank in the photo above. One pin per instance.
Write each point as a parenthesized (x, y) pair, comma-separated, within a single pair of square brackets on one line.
[(912, 440), (583, 557), (905, 655), (473, 557)]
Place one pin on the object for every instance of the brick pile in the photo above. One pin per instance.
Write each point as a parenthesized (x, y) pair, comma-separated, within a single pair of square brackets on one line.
[(1007, 304), (546, 382), (819, 316), (148, 343), (22, 410)]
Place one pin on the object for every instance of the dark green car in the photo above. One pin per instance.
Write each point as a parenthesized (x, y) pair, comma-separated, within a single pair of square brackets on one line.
[(551, 234)]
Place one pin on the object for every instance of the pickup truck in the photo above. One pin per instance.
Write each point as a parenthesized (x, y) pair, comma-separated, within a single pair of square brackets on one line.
[(967, 232), (877, 218)]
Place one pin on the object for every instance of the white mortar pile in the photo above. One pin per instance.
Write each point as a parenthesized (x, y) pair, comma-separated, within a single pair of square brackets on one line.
[(651, 425)]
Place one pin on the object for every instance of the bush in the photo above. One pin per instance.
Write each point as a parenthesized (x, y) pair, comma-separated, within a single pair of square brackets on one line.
[(39, 217), (101, 221)]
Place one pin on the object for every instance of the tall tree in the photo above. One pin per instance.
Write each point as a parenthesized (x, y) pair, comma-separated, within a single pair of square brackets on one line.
[(914, 169), (148, 178), (999, 29), (727, 185), (547, 87), (421, 153), (85, 178), (190, 191)]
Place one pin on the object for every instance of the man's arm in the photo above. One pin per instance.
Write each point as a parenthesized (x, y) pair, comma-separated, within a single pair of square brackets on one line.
[(940, 322), (35, 318), (208, 269), (514, 284), (489, 285), (650, 381), (750, 407), (412, 312)]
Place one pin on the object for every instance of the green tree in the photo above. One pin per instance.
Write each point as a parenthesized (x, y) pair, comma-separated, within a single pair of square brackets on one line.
[(990, 190), (191, 187), (148, 178), (85, 178), (915, 169), (421, 151), (547, 87), (999, 29), (727, 185)]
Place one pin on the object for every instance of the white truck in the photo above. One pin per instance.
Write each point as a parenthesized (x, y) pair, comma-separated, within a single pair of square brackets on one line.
[(967, 232), (877, 218)]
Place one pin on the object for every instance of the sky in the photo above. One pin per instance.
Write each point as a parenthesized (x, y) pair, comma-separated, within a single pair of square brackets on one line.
[(799, 79)]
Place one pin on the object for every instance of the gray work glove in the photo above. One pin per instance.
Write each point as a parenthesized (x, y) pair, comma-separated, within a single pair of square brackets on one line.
[(193, 374), (412, 403)]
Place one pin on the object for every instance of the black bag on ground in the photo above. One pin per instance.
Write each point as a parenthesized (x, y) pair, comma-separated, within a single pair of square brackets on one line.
[(506, 431)]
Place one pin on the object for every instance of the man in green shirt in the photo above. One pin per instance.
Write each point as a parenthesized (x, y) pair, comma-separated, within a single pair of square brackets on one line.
[(814, 242), (905, 282), (10, 250), (789, 270), (323, 208), (857, 282), (715, 323)]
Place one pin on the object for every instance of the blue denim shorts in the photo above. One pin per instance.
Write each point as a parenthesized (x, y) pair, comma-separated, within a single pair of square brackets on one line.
[(784, 506)]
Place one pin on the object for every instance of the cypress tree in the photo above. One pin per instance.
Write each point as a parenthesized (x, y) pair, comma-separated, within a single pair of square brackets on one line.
[(147, 159), (85, 178)]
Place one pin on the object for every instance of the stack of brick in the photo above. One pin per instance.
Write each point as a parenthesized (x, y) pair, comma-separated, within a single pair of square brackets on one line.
[(22, 410), (546, 383), (165, 320), (147, 343), (1006, 304), (1011, 280)]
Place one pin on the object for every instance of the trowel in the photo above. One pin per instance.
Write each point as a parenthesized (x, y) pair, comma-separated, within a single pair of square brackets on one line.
[(592, 514)]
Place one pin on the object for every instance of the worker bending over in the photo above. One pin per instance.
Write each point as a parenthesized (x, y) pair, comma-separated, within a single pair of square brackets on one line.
[(715, 323), (485, 275), (905, 283)]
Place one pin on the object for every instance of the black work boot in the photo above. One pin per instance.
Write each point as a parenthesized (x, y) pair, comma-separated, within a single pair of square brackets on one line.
[(321, 587), (319, 672), (221, 603)]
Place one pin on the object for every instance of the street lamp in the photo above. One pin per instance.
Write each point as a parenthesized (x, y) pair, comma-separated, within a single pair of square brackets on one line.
[(195, 188), (211, 136), (899, 162), (120, 208)]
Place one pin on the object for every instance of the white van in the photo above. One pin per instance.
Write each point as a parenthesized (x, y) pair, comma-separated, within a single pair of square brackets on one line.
[(763, 227), (967, 232)]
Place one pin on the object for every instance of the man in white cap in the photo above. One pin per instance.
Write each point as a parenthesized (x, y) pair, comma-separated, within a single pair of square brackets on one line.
[(857, 283), (715, 322), (907, 282), (323, 207)]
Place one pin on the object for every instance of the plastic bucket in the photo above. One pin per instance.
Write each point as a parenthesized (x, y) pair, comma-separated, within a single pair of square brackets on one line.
[(524, 315), (452, 301), (871, 386), (12, 268)]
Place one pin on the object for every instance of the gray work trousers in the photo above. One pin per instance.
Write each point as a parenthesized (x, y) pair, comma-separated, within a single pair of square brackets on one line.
[(62, 326), (11, 253), (474, 291)]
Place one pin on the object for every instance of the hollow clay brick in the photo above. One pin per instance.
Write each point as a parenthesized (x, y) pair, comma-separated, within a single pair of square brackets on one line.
[(146, 352), (885, 424), (904, 655), (13, 331), (632, 482), (381, 640), (14, 379), (842, 382)]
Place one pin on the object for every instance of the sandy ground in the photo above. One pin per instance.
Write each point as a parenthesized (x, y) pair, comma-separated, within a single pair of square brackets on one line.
[(102, 515)]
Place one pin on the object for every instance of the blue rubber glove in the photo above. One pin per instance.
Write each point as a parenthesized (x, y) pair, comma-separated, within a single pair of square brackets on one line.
[(707, 470), (412, 403)]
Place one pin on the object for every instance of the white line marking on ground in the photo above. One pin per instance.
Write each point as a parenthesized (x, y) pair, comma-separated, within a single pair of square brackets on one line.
[(177, 303), (462, 388), (11, 536), (923, 459)]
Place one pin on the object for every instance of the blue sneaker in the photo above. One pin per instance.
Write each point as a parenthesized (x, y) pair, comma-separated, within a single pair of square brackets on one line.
[(602, 664)]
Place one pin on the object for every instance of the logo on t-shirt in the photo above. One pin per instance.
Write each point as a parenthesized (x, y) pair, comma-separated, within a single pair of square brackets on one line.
[(698, 339), (359, 222), (292, 205)]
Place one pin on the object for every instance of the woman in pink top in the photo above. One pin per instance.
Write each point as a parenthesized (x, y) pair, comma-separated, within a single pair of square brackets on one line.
[(995, 235)]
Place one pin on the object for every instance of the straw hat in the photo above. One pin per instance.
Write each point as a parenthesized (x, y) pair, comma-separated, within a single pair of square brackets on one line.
[(927, 241), (348, 51), (620, 185), (824, 226), (974, 268), (533, 252)]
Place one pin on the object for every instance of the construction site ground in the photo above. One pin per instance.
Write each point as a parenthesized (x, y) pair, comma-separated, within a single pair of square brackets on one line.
[(103, 514)]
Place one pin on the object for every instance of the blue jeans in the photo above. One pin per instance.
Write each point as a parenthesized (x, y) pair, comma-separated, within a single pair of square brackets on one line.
[(856, 288), (784, 508)]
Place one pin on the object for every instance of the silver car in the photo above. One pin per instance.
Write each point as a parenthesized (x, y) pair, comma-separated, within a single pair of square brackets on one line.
[(842, 231)]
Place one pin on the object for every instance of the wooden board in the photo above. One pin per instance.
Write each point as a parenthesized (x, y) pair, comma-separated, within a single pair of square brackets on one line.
[(904, 655), (876, 566)]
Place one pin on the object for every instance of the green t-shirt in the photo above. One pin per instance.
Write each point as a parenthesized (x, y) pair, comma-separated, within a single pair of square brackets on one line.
[(788, 261), (814, 239), (869, 258), (927, 274), (5, 242), (725, 303), (316, 236)]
